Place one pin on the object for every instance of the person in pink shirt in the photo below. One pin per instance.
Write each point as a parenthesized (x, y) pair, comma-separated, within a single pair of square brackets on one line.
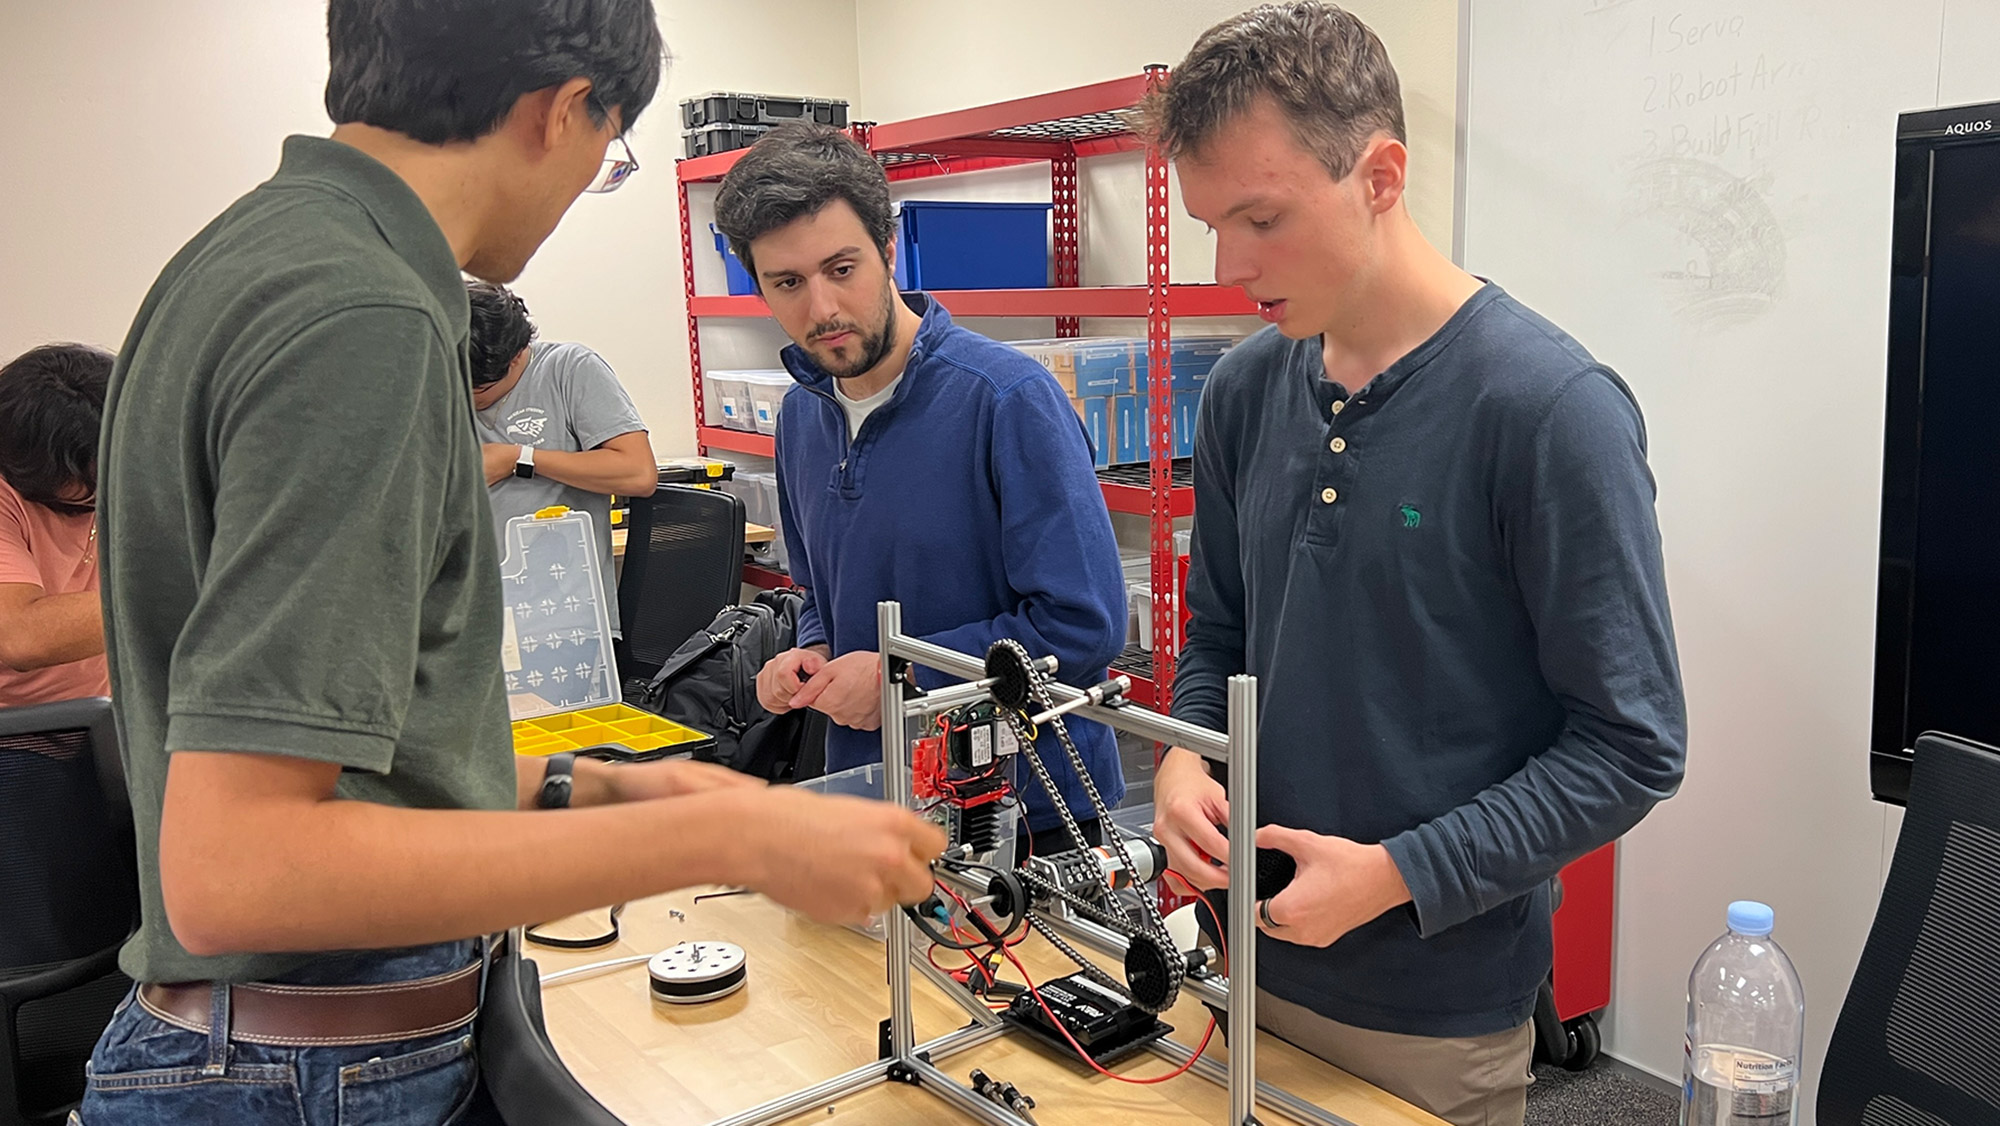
[(51, 623)]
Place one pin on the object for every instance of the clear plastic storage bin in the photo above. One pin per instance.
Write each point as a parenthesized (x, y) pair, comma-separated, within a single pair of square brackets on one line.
[(730, 392), (766, 390)]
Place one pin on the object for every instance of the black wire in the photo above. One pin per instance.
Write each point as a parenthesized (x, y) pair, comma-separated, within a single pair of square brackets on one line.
[(1015, 920), (929, 928), (591, 943)]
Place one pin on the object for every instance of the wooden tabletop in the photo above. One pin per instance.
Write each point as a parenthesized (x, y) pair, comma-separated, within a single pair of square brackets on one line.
[(810, 1010)]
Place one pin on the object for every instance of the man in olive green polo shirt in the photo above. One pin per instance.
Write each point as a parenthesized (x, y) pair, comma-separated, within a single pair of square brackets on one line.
[(305, 604)]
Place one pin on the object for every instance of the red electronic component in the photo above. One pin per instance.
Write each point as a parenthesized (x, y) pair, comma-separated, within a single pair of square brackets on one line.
[(977, 800), (927, 767)]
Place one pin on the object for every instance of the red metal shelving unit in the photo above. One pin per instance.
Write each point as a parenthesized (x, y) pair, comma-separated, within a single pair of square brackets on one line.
[(1056, 129)]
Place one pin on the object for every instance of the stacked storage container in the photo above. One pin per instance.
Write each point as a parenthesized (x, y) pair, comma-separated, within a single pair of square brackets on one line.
[(759, 494), (728, 400), (1106, 378), (767, 393)]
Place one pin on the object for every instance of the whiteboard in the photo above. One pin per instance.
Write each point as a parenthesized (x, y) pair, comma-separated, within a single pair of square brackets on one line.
[(1700, 193)]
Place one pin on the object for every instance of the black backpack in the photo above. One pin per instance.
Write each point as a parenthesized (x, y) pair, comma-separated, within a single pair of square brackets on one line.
[(710, 684)]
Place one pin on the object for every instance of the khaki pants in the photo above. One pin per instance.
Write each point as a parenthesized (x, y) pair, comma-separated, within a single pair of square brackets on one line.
[(1467, 1081)]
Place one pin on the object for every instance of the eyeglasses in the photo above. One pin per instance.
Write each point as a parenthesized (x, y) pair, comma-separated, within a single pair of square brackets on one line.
[(615, 171)]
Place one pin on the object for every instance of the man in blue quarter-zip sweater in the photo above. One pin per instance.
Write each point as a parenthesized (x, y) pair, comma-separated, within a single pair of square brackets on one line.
[(920, 462)]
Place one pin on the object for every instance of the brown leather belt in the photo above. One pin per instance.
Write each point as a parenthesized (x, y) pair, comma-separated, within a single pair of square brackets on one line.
[(302, 1016)]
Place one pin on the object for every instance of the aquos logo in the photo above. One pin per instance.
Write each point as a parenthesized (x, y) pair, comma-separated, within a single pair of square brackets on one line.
[(1961, 128)]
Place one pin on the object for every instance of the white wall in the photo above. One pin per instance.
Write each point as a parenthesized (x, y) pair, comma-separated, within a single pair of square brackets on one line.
[(133, 124), (1607, 140), (918, 57)]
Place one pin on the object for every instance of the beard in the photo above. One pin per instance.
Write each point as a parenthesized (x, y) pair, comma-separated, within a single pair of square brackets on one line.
[(874, 344)]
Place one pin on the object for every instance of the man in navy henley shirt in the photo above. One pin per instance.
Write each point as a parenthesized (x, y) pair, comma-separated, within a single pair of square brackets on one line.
[(1424, 521)]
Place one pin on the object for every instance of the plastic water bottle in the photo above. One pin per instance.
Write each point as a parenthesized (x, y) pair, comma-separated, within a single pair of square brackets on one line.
[(1746, 1028)]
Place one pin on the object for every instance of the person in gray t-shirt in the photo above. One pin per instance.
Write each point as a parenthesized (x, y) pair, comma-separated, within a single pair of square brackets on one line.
[(556, 426)]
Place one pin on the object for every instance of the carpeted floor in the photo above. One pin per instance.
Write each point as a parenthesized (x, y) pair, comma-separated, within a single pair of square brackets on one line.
[(1605, 1095)]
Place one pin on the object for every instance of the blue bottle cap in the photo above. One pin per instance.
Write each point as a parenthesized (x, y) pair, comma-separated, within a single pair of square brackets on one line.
[(1748, 917)]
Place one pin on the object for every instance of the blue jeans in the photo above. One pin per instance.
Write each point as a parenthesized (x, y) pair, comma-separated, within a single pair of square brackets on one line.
[(146, 1070)]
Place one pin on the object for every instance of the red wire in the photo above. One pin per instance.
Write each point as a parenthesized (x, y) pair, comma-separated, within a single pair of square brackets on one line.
[(1035, 992), (1176, 1073), (955, 933)]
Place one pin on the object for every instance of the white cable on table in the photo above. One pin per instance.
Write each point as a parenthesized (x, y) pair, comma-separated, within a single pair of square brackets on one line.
[(594, 967)]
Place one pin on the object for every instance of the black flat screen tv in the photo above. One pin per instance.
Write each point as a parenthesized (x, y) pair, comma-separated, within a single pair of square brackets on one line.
[(1937, 632)]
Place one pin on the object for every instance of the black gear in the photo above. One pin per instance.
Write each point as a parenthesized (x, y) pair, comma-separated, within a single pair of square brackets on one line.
[(1153, 973)]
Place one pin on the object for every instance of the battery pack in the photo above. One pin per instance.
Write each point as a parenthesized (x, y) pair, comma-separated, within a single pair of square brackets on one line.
[(1105, 1025)]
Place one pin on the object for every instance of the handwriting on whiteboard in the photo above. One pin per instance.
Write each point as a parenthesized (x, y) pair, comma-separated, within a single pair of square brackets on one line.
[(1716, 101)]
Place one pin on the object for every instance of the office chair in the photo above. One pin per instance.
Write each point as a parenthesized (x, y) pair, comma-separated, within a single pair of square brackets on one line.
[(68, 883), (527, 1081), (1918, 1040), (683, 564)]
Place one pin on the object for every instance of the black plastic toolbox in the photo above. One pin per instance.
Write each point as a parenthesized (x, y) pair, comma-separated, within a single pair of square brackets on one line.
[(760, 109), (722, 138)]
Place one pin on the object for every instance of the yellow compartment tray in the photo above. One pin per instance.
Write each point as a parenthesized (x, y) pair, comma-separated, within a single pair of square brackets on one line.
[(635, 730)]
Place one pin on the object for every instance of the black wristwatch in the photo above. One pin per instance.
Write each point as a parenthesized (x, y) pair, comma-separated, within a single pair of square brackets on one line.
[(524, 464), (557, 782)]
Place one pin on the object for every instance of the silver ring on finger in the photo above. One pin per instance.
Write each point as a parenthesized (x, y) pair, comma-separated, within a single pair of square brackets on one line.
[(1264, 913)]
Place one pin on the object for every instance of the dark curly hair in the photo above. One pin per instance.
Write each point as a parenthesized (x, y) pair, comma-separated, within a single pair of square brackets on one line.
[(51, 406), (500, 329), (792, 172)]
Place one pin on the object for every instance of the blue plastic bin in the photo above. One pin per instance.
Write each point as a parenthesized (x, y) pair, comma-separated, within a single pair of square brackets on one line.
[(1104, 365), (1186, 403), (1192, 357), (946, 245), (1096, 414), (740, 282), (1129, 443)]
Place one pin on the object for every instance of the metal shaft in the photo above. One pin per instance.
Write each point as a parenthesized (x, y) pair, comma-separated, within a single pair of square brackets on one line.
[(1145, 724), (1091, 697), (896, 791), (1242, 920)]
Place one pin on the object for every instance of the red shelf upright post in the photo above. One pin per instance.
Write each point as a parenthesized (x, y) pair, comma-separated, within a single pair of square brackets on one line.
[(1063, 193), (1160, 417), (694, 324)]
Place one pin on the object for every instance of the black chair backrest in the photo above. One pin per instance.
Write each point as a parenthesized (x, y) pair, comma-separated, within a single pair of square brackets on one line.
[(683, 564), (528, 1081), (68, 898), (68, 874), (1918, 1040)]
